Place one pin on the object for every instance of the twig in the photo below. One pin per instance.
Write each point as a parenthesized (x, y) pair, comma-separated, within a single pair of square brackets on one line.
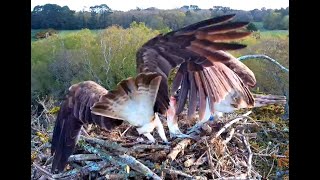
[(83, 157), (123, 160), (245, 142), (234, 178), (84, 132), (172, 171), (270, 169), (189, 162), (125, 131), (142, 147), (228, 125), (231, 158), (106, 143), (43, 171), (261, 56), (108, 170), (138, 166), (213, 170), (179, 147), (93, 166), (269, 155)]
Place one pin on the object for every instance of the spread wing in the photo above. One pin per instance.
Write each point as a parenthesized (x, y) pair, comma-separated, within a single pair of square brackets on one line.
[(74, 112), (88, 102), (133, 95), (199, 51)]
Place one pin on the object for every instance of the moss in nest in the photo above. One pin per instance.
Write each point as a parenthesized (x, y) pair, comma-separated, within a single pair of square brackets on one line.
[(44, 138), (54, 110), (33, 156)]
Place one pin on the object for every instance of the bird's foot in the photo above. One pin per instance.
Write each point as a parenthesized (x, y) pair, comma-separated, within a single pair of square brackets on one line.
[(166, 142), (195, 129), (182, 136)]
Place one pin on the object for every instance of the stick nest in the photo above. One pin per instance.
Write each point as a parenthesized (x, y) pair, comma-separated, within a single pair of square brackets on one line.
[(242, 145)]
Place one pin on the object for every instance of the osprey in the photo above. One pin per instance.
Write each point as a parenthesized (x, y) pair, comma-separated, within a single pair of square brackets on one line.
[(207, 74)]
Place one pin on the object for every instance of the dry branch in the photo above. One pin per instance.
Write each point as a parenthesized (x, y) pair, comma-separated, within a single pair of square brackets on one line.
[(138, 166), (249, 160), (178, 148), (270, 155), (264, 57), (228, 125), (177, 172), (106, 143), (142, 147), (201, 161), (72, 174), (83, 157), (43, 171), (123, 160)]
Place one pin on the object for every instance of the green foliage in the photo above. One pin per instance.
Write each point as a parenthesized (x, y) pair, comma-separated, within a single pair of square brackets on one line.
[(105, 57), (252, 27), (276, 20), (102, 16)]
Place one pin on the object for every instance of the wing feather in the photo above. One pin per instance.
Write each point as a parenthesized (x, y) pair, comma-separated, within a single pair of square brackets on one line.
[(75, 112), (132, 91), (198, 50)]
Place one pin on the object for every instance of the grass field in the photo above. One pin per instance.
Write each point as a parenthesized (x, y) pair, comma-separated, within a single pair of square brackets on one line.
[(264, 33), (61, 32)]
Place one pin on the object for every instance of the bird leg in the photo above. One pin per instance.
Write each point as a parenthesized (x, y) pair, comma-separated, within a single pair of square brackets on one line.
[(198, 125), (150, 137), (174, 128), (159, 127), (148, 128), (207, 117), (172, 121)]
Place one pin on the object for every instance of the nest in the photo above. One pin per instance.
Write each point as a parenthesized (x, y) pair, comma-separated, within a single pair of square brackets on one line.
[(236, 146)]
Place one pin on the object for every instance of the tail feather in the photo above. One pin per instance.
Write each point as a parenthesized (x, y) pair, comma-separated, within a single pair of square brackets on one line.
[(264, 100), (133, 91)]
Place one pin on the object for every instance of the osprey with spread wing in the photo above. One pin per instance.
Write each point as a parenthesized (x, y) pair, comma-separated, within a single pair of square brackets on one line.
[(207, 74)]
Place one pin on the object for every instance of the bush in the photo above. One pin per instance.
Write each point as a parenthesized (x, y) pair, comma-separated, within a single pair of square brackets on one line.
[(106, 58), (252, 27)]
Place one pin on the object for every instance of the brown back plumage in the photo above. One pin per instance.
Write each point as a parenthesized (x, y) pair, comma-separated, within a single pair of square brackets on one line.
[(206, 70)]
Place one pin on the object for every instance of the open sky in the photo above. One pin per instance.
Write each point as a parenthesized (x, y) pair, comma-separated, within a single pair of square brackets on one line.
[(125, 5)]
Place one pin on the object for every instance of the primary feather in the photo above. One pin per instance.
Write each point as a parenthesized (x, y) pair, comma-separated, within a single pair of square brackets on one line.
[(205, 71)]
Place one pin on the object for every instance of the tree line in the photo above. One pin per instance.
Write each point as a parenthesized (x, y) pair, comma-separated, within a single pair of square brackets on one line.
[(102, 16)]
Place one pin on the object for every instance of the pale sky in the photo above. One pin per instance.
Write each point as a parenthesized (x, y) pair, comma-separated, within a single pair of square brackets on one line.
[(125, 5)]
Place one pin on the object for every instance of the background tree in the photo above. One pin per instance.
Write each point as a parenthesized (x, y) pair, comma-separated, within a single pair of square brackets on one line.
[(102, 16)]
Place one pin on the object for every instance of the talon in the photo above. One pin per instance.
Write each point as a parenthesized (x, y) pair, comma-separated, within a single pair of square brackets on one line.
[(182, 135), (195, 128), (140, 139), (150, 142)]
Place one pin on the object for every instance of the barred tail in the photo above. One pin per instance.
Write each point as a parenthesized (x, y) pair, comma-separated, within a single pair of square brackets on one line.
[(264, 100)]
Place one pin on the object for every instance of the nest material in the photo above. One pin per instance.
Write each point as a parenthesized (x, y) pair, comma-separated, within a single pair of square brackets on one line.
[(233, 147)]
